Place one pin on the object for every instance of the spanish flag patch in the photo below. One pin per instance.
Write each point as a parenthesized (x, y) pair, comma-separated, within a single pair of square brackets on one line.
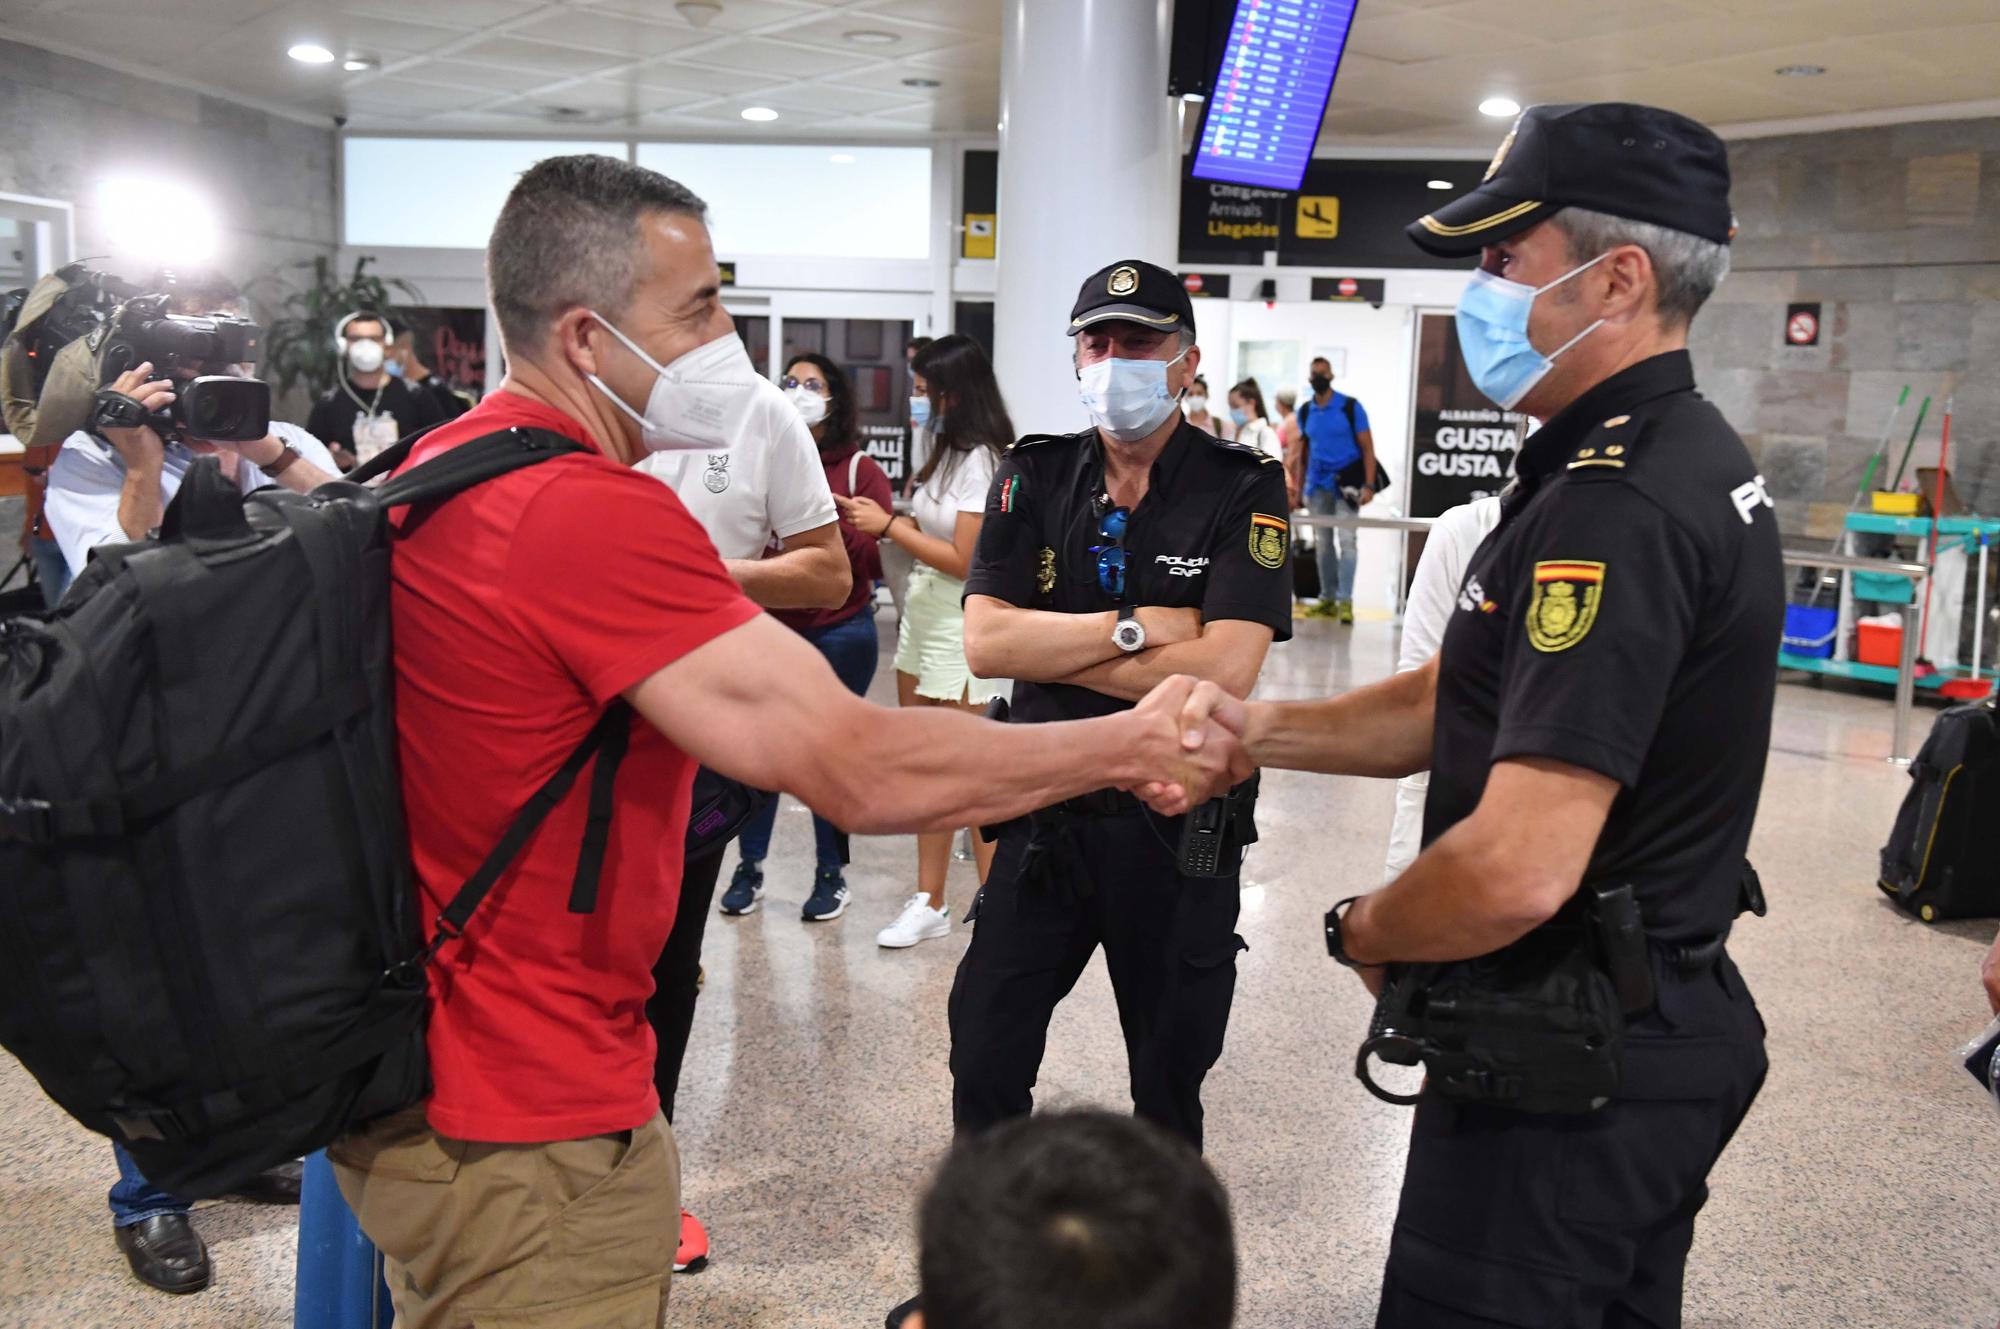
[(1010, 494), (1567, 593), (1269, 539)]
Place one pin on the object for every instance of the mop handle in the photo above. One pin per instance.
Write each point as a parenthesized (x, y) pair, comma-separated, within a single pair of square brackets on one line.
[(1937, 518), (1911, 446)]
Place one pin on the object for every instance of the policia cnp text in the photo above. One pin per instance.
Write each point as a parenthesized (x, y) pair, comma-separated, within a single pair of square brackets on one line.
[(1596, 720), (1111, 559)]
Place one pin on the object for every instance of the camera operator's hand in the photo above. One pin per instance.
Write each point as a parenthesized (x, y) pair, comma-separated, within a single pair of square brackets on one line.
[(141, 448)]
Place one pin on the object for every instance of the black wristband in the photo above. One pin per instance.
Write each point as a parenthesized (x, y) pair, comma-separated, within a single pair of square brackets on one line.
[(1336, 943)]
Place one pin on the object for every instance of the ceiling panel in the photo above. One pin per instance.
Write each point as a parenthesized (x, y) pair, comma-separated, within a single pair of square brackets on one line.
[(1412, 78)]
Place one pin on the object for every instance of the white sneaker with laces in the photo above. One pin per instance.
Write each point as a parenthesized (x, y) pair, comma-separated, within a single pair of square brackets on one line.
[(918, 922)]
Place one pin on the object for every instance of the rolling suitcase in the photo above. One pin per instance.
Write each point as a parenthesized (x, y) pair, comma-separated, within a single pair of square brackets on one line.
[(1943, 856)]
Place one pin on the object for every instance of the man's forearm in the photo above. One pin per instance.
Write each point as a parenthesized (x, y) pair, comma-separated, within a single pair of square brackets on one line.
[(140, 505), (1037, 645), (1452, 904), (1130, 677), (1382, 730), (814, 578)]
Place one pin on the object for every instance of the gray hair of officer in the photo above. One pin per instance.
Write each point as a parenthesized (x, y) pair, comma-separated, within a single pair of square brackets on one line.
[(1686, 267)]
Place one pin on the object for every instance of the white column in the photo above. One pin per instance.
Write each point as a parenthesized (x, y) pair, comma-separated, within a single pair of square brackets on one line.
[(1089, 174)]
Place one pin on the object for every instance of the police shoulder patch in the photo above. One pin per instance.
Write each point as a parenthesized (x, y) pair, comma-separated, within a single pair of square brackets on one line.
[(1009, 495), (1270, 539), (1567, 594)]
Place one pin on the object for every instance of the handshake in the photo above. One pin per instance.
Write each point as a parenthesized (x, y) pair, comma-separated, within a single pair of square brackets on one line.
[(1186, 745)]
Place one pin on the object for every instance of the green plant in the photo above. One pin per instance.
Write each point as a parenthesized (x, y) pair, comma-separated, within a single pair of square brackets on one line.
[(299, 348)]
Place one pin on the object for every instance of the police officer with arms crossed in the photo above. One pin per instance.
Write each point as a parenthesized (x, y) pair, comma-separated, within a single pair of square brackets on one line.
[(1110, 559), (1598, 716)]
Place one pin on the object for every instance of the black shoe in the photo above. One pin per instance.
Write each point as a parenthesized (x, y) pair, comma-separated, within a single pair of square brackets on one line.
[(902, 1313), (165, 1252), (278, 1185)]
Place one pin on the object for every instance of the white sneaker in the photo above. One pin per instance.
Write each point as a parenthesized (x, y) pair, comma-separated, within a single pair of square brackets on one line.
[(918, 922)]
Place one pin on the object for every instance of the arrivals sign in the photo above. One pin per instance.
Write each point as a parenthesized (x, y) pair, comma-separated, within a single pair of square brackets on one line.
[(1347, 214), (1463, 446)]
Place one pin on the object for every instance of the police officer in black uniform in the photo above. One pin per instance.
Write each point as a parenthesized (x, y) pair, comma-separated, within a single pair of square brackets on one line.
[(1598, 717), (1110, 559)]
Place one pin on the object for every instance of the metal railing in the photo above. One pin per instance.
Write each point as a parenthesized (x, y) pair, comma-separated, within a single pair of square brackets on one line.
[(1906, 669)]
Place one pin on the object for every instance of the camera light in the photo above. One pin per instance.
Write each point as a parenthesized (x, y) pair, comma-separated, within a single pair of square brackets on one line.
[(165, 223)]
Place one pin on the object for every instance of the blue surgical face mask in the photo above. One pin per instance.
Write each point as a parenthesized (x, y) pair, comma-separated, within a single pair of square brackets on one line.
[(1493, 335), (393, 368), (920, 412), (1239, 415), (1127, 399)]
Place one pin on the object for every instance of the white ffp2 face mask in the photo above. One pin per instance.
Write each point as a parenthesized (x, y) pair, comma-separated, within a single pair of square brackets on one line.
[(365, 355), (1127, 399), (699, 403), (809, 404)]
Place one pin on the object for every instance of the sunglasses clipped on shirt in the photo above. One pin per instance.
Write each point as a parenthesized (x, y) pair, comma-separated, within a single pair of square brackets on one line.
[(1111, 557)]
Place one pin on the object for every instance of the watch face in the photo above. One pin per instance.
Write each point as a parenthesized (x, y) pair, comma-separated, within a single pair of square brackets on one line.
[(1129, 635)]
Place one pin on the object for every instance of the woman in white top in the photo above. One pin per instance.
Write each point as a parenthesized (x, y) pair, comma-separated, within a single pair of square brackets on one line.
[(1448, 549), (1246, 411), (956, 394), (1195, 405)]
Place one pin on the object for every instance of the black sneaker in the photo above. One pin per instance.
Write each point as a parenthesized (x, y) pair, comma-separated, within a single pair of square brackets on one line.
[(746, 888), (829, 897)]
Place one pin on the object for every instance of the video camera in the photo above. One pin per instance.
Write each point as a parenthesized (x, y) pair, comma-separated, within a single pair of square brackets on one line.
[(78, 330)]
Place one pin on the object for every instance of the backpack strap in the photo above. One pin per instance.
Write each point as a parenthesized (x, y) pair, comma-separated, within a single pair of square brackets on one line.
[(853, 471), (1347, 409), (617, 718), (473, 463)]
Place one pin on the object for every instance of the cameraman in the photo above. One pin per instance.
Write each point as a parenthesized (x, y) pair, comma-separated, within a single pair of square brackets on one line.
[(114, 487)]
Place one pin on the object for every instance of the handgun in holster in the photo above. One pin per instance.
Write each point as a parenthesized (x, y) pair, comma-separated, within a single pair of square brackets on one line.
[(1538, 1026)]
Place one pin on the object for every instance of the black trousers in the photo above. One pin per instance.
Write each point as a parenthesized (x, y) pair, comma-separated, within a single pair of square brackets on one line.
[(1056, 894), (1578, 1221), (670, 1010)]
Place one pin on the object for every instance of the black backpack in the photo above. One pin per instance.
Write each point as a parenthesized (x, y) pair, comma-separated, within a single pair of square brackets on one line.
[(208, 942), (1354, 475), (1943, 856)]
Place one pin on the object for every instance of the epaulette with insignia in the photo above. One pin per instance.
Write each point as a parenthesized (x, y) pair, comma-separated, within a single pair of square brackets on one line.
[(1244, 449), (1611, 446), (1030, 440)]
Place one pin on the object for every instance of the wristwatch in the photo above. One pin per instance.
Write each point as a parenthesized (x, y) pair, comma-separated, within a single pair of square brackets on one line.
[(1130, 635), (1336, 944), (278, 465)]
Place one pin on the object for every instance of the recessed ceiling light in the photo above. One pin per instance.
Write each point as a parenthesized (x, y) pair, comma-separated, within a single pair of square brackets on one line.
[(1439, 184), (699, 13), (842, 159), (1193, 97), (921, 83), (872, 37), (1499, 106), (1802, 71), (354, 64), (759, 113), (311, 53)]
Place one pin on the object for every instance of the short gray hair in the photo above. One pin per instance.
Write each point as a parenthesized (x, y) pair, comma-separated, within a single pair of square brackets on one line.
[(1686, 268), (568, 236), (1183, 338)]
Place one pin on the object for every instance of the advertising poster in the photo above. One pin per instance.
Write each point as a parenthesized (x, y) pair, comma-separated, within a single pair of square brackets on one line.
[(1463, 445)]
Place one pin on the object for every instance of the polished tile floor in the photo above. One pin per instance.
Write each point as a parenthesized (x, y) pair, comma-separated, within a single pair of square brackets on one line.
[(1861, 1192)]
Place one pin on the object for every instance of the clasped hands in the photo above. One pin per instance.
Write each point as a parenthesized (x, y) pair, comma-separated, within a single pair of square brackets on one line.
[(1189, 745)]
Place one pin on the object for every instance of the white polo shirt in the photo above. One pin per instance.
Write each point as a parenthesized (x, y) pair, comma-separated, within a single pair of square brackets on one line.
[(770, 485)]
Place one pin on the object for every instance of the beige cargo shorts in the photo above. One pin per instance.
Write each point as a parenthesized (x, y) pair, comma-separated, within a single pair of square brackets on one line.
[(562, 1235)]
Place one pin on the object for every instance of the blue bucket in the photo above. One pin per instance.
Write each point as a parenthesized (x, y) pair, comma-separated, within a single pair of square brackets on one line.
[(1810, 630)]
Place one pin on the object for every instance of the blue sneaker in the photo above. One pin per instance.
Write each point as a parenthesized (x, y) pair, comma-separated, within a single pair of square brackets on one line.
[(746, 888), (829, 897)]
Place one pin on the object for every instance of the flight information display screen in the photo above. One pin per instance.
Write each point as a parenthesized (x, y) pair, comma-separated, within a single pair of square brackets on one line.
[(1270, 91)]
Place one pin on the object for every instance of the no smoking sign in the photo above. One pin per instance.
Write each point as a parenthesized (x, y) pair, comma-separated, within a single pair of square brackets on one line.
[(1802, 325)]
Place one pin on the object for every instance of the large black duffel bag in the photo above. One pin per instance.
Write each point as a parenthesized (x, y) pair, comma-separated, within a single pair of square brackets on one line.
[(1943, 856), (208, 942)]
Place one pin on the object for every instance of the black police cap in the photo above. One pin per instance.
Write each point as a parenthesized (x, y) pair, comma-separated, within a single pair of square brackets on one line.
[(1135, 291), (1636, 162)]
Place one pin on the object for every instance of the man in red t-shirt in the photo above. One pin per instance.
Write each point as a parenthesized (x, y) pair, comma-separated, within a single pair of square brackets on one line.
[(539, 1184)]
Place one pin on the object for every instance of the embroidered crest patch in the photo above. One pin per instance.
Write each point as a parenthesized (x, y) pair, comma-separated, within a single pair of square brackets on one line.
[(1567, 593), (1269, 539)]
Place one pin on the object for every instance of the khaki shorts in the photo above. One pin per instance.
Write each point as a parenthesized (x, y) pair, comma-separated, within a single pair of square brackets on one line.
[(573, 1234)]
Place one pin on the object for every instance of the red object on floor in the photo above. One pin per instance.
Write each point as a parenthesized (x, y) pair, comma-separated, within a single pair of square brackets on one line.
[(1879, 645), (692, 1256)]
